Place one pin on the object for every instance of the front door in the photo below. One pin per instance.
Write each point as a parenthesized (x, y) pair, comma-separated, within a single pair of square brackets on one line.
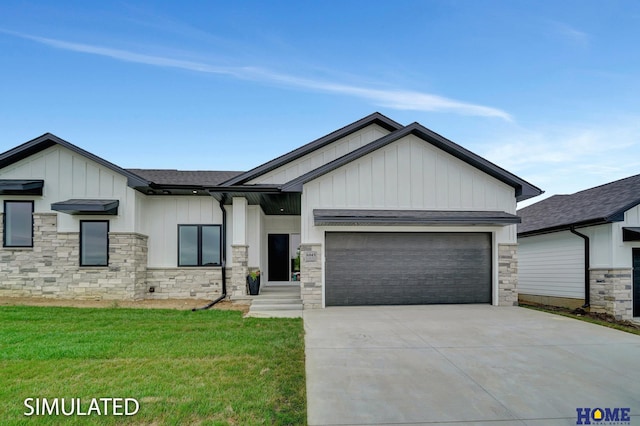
[(636, 282), (278, 253)]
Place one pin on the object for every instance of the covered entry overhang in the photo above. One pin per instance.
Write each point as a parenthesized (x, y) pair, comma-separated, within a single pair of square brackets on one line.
[(264, 232), (268, 197)]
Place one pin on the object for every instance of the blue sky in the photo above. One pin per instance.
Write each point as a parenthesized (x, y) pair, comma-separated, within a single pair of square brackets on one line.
[(546, 89)]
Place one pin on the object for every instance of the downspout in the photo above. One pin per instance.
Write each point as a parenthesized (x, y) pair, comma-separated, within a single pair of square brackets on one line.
[(224, 258), (587, 262)]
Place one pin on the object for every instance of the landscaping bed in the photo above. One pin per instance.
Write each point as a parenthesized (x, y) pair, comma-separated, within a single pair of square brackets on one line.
[(181, 304), (593, 317)]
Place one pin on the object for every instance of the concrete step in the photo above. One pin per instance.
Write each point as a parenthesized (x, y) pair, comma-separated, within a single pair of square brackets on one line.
[(275, 306), (277, 301), (266, 295), (280, 290), (272, 300), (276, 314)]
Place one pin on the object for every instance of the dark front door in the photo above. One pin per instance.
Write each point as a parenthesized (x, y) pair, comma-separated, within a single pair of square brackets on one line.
[(636, 282), (278, 252)]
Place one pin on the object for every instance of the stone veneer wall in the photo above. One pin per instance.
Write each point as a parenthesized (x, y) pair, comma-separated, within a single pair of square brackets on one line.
[(184, 283), (52, 267), (507, 274), (311, 275), (239, 270), (611, 292)]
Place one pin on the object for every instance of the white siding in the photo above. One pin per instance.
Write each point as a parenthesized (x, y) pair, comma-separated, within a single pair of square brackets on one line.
[(607, 248), (600, 243), (254, 235), (622, 251), (551, 265), (322, 156), (69, 175), (407, 174), (164, 214)]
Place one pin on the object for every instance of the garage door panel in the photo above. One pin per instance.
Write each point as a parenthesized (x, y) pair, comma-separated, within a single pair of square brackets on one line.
[(407, 268)]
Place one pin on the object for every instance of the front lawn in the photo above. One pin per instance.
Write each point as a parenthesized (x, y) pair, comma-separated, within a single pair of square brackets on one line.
[(183, 367)]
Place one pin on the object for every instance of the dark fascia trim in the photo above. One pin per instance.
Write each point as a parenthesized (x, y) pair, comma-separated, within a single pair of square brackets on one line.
[(375, 118), (567, 227), (617, 216), (88, 207), (524, 190), (47, 140), (266, 189), (21, 186), (157, 189), (328, 217)]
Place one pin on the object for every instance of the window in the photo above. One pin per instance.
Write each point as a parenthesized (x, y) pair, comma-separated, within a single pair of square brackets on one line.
[(18, 224), (94, 242), (198, 245)]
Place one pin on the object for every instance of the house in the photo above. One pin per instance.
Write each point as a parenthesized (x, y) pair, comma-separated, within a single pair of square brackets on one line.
[(378, 212), (583, 249)]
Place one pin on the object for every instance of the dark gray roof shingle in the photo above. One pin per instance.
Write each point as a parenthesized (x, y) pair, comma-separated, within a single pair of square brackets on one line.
[(602, 204), (185, 177)]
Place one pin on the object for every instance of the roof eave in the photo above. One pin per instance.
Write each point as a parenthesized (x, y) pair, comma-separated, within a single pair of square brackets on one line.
[(568, 226)]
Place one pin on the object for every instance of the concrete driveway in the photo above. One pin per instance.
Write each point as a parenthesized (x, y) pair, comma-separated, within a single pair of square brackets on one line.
[(464, 364)]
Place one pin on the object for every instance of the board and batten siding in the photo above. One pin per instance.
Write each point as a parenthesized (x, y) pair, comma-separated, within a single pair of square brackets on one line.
[(322, 156), (409, 174), (162, 216), (70, 175), (551, 265)]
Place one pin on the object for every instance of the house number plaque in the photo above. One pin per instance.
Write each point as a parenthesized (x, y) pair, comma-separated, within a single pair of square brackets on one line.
[(310, 256)]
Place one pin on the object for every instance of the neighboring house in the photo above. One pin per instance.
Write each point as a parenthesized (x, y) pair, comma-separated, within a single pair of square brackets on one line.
[(380, 213), (584, 249)]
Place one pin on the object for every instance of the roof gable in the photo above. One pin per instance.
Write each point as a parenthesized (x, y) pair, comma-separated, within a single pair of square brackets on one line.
[(524, 190), (601, 204), (48, 140), (375, 118)]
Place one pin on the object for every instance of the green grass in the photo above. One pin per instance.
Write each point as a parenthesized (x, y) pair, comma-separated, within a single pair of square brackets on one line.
[(618, 325), (209, 367)]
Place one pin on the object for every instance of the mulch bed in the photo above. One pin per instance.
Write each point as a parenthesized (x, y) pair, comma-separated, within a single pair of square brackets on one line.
[(579, 312)]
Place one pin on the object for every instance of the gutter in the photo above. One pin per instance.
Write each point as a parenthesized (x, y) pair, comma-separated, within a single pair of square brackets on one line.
[(587, 262), (224, 258)]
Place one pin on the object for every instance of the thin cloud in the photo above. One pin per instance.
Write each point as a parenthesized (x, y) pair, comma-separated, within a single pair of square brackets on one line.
[(570, 33), (567, 159), (396, 99)]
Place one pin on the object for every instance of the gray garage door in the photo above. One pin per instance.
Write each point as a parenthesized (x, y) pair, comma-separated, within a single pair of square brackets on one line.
[(366, 268)]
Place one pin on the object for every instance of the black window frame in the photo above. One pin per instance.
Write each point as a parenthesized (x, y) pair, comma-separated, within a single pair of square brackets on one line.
[(199, 245), (4, 223), (80, 253)]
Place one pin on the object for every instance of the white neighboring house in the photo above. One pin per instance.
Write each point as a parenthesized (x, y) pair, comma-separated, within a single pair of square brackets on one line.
[(583, 249), (380, 213)]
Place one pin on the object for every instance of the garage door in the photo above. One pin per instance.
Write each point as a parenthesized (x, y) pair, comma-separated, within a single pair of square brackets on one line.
[(365, 268)]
